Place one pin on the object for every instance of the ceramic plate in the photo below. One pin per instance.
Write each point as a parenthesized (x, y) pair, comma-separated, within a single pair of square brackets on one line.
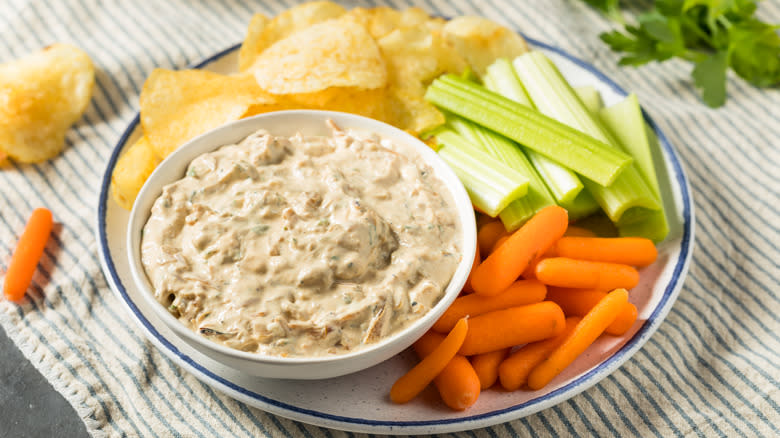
[(359, 402)]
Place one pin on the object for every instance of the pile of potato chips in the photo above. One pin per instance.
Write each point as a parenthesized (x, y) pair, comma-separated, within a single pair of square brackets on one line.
[(374, 62)]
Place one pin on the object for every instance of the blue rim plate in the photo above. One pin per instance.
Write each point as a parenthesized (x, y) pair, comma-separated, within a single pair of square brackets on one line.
[(221, 379)]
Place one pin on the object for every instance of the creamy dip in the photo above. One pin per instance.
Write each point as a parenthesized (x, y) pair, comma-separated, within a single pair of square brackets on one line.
[(302, 246)]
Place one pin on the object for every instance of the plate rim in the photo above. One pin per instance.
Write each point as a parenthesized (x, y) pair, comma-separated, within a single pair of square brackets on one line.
[(576, 386)]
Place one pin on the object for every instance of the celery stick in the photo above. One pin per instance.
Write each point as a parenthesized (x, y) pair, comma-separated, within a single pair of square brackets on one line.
[(590, 97), (626, 122), (564, 184), (581, 206), (569, 147), (520, 210), (491, 184), (500, 78), (628, 199)]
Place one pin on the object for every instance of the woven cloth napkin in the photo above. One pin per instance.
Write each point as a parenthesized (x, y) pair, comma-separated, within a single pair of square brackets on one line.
[(712, 369)]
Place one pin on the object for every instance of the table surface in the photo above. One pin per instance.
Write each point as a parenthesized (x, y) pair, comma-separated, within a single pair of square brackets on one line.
[(29, 406)]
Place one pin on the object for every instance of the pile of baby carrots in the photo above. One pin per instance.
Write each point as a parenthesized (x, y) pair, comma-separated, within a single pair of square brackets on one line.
[(541, 296)]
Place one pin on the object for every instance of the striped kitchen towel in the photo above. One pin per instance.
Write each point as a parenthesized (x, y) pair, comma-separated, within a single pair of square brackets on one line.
[(712, 369)]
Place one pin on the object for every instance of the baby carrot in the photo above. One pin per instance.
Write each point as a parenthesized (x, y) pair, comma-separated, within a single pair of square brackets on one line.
[(486, 366), (483, 219), (514, 370), (530, 270), (488, 235), (520, 293), (634, 251), (467, 285), (578, 302), (582, 274), (574, 302), (503, 266), (458, 383), (27, 254), (500, 242), (591, 326), (624, 321), (514, 326), (574, 230), (413, 382)]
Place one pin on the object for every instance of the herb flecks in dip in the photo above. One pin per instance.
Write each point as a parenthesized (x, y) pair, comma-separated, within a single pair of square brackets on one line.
[(302, 246)]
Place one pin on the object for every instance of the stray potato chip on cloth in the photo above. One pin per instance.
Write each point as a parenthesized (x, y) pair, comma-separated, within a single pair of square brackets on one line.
[(131, 171), (481, 41), (41, 96), (334, 53), (263, 32), (177, 106)]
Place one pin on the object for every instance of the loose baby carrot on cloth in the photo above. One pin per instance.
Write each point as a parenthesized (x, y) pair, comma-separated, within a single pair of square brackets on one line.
[(413, 382), (634, 251), (486, 366), (506, 263), (578, 302), (458, 383), (477, 260), (582, 274), (489, 234), (520, 293), (514, 326), (591, 326), (27, 254), (514, 370)]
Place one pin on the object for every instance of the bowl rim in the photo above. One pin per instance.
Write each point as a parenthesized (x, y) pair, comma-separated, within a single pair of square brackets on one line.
[(206, 142)]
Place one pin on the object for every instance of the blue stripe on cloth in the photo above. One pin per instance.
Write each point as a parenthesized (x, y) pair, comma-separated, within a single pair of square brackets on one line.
[(600, 412), (651, 400), (736, 300), (616, 408), (687, 381), (716, 313), (673, 343), (735, 371), (580, 413), (565, 421)]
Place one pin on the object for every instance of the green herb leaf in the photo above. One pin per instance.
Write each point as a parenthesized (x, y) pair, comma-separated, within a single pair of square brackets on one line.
[(716, 35), (610, 8), (710, 76)]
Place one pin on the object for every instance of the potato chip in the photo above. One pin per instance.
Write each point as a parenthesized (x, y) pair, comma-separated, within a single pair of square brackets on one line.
[(262, 33), (368, 103), (41, 96), (481, 41), (131, 171), (253, 42), (414, 57), (334, 53), (179, 105), (382, 20), (407, 109)]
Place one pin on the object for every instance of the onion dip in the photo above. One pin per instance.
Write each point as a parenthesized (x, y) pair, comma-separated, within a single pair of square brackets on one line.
[(302, 246)]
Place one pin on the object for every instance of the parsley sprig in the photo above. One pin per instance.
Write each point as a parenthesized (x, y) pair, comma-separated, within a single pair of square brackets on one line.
[(714, 35)]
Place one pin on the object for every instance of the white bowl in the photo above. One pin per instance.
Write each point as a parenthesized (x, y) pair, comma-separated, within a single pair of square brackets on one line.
[(288, 123)]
